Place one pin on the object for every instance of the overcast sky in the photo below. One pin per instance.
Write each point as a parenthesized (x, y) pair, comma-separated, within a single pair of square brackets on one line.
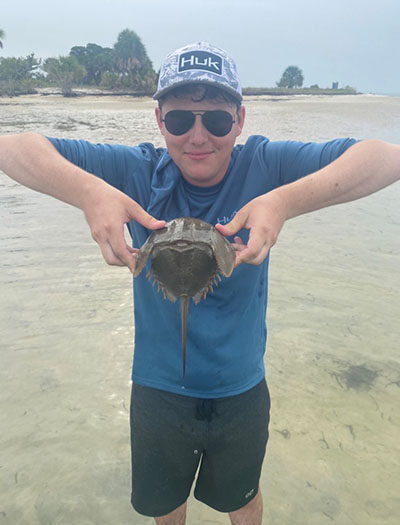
[(354, 42)]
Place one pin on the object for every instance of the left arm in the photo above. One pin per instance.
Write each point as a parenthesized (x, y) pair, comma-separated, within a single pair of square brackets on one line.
[(363, 169)]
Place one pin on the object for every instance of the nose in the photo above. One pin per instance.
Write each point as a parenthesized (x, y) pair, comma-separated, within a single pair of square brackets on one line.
[(198, 131)]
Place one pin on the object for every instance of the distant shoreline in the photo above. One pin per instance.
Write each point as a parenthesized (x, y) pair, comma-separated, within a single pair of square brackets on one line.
[(80, 92), (298, 91), (249, 91)]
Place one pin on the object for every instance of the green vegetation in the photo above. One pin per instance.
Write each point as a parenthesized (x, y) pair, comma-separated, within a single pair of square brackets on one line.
[(18, 75), (65, 72), (132, 65), (291, 83), (123, 68), (292, 78), (313, 90), (96, 60)]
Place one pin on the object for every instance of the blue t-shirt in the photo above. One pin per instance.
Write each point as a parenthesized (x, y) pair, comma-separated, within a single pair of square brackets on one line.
[(226, 336)]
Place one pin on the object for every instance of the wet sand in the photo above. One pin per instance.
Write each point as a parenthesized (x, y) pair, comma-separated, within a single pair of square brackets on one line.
[(333, 363)]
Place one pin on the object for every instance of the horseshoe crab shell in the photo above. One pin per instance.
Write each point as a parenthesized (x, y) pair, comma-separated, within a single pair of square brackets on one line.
[(187, 256)]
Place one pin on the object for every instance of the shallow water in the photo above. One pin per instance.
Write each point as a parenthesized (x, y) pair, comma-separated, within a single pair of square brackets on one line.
[(332, 362)]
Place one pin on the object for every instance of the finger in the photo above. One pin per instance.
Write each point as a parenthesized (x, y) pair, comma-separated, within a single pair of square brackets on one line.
[(116, 251), (238, 248), (238, 245), (109, 256), (255, 243), (124, 256), (245, 257), (257, 247)]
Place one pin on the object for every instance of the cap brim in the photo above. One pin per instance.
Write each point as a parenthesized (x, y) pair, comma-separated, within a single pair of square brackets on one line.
[(225, 88)]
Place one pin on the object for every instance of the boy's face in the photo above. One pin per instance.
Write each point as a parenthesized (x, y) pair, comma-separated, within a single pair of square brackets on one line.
[(202, 157)]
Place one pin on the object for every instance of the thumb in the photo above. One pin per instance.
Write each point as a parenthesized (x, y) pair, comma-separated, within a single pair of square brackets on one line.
[(237, 223)]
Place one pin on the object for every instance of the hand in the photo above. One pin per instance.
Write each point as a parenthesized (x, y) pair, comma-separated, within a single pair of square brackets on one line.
[(107, 210), (264, 216)]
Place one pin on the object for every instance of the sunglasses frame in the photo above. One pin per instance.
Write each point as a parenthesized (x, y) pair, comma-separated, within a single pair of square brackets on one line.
[(205, 124)]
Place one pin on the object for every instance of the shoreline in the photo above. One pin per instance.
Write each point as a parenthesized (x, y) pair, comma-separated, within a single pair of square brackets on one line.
[(82, 96), (249, 91)]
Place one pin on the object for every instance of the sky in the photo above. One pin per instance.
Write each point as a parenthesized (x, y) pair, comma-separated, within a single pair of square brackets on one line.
[(353, 42)]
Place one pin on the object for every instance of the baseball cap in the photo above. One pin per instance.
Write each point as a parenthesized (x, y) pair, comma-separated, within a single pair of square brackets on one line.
[(199, 63)]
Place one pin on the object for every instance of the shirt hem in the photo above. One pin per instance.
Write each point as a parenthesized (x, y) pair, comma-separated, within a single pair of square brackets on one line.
[(189, 392)]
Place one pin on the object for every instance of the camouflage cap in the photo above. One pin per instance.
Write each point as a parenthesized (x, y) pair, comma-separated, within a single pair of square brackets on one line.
[(199, 63)]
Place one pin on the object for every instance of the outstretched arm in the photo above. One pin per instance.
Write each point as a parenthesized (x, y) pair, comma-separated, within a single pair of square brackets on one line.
[(31, 160), (363, 169)]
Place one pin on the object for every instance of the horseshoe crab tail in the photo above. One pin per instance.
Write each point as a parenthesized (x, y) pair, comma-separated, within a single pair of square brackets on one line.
[(184, 317)]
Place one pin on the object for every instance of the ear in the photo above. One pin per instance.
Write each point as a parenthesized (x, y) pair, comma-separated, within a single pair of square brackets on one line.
[(159, 121), (240, 123)]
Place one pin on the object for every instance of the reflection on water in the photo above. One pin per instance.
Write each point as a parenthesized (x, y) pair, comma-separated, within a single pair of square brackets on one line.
[(333, 354)]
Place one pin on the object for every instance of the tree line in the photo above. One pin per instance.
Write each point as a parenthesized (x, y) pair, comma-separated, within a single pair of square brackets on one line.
[(125, 66)]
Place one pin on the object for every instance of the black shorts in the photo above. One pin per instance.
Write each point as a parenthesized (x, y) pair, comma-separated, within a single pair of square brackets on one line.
[(171, 435)]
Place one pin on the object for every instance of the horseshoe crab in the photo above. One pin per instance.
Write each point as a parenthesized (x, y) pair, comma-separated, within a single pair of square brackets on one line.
[(186, 258)]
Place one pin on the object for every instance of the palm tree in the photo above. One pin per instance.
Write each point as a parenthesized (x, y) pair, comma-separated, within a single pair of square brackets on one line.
[(2, 35), (292, 78), (132, 61)]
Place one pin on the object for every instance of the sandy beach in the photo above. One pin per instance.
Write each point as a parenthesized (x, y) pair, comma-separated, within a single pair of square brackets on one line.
[(332, 360)]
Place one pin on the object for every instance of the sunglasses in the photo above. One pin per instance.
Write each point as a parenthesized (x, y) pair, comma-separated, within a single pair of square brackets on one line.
[(179, 121)]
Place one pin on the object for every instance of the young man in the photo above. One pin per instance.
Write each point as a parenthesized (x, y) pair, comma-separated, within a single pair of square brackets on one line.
[(216, 417)]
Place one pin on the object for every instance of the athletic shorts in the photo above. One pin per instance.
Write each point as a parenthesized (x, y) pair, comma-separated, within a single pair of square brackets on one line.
[(173, 437)]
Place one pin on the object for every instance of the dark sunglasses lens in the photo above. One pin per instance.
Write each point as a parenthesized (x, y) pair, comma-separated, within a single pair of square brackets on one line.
[(178, 122), (219, 122)]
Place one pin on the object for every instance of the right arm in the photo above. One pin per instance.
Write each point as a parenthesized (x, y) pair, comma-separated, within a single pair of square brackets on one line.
[(32, 160)]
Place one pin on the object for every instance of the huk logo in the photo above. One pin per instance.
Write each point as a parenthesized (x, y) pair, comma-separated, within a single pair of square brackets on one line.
[(200, 60), (250, 493), (225, 219)]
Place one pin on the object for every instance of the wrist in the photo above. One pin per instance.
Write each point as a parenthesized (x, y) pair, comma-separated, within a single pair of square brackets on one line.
[(90, 191), (281, 202)]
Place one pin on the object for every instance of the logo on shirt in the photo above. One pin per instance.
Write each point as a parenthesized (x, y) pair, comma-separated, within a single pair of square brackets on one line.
[(226, 218), (200, 60)]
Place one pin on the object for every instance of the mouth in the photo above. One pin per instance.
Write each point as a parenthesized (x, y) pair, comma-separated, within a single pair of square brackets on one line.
[(198, 155)]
